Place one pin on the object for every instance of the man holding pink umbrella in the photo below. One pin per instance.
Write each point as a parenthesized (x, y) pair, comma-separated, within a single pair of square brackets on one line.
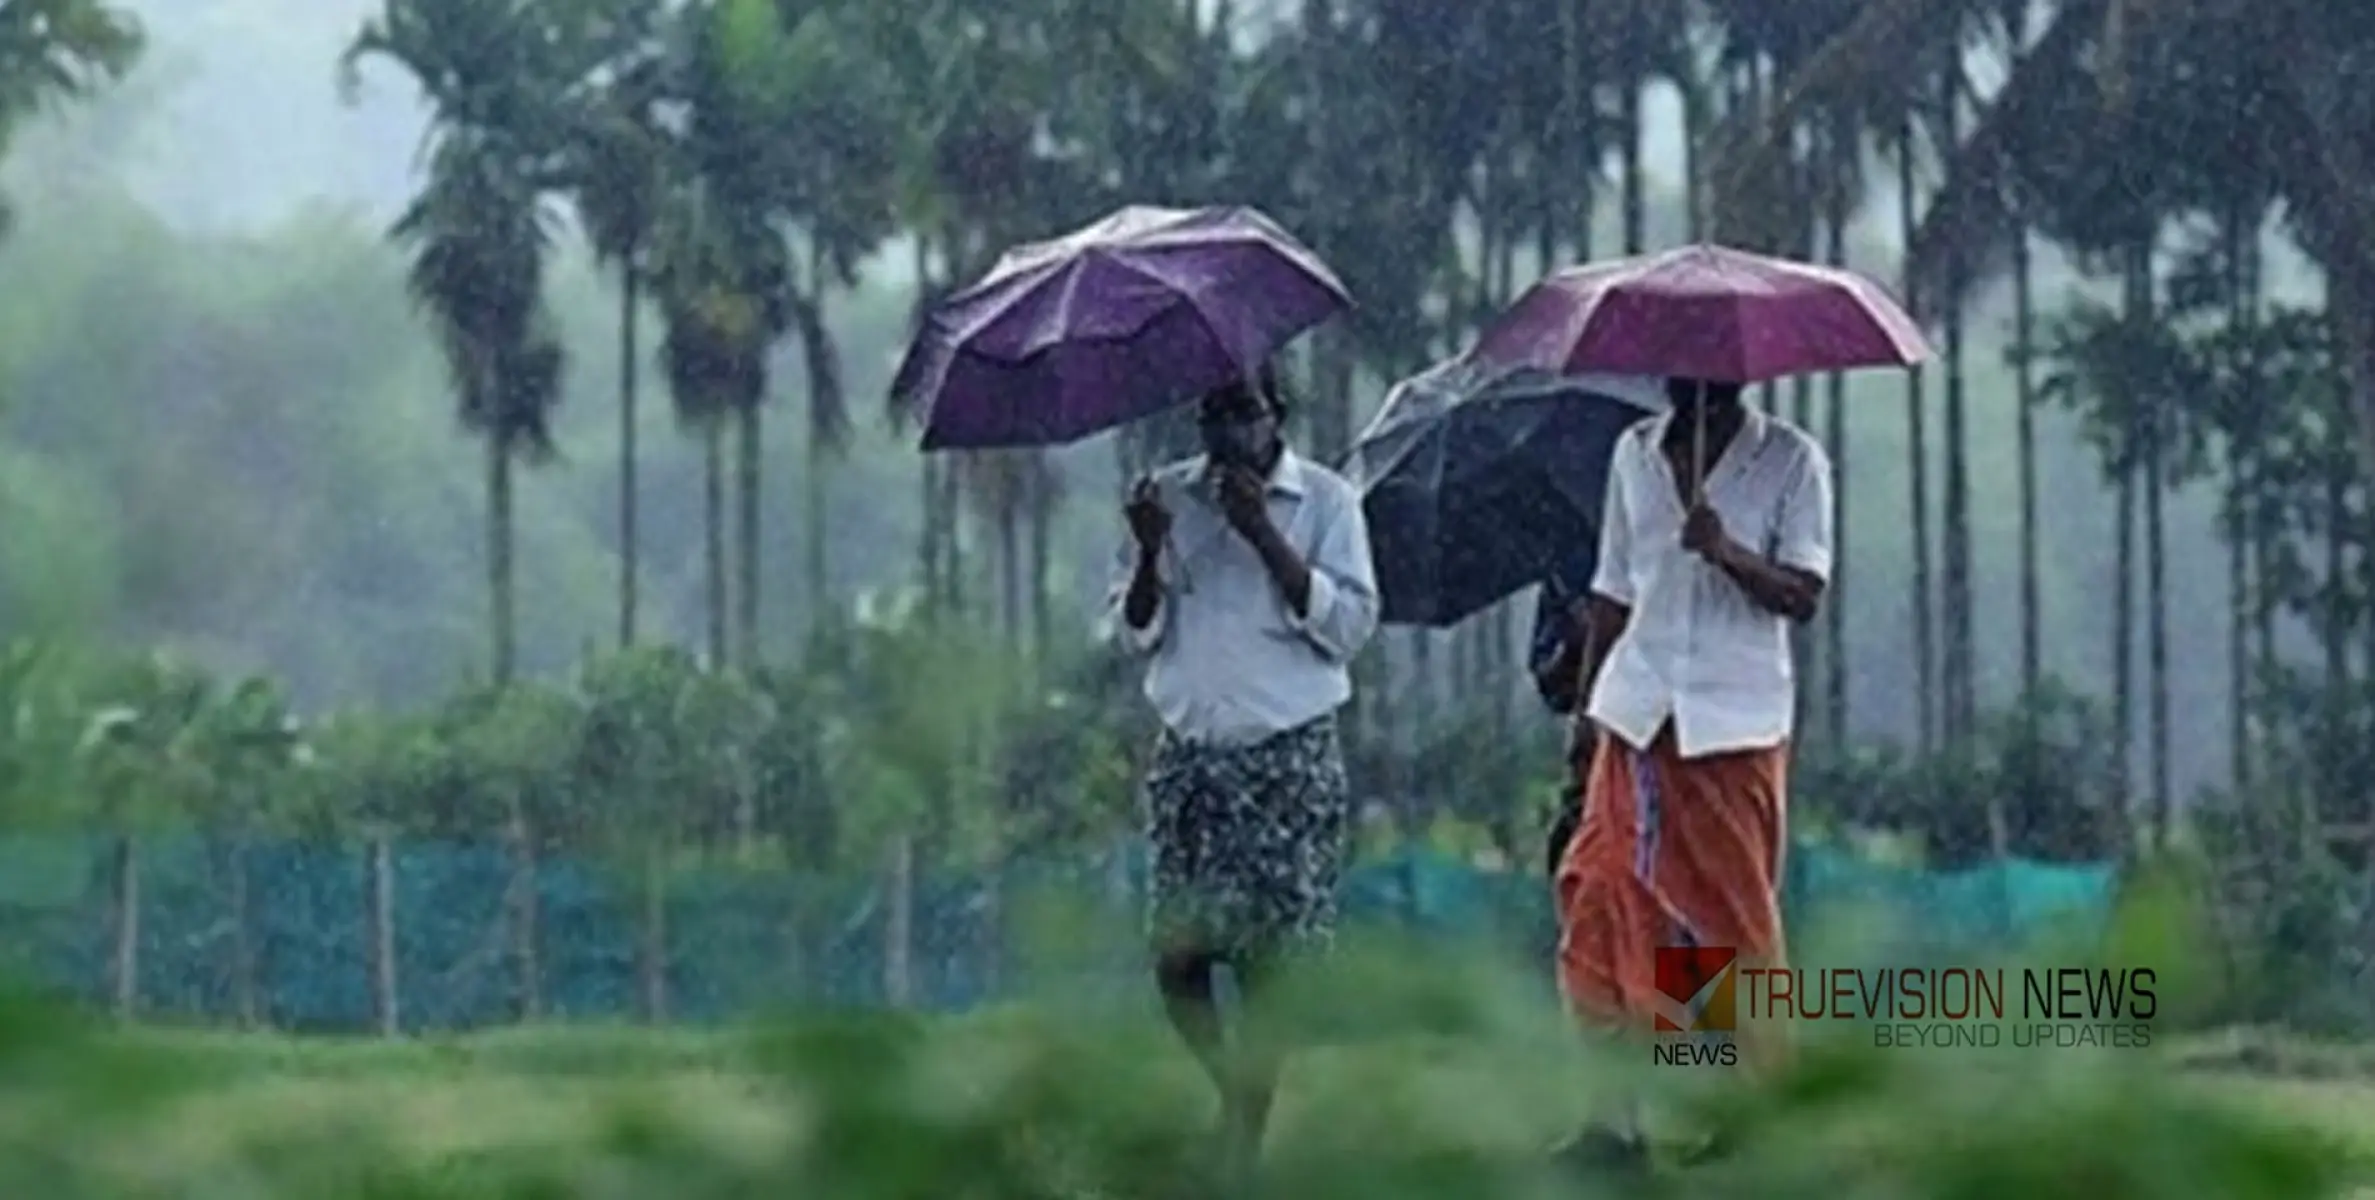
[(1716, 538), (1691, 699)]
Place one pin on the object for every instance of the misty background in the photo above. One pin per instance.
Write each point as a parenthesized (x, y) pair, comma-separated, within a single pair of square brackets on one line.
[(223, 430)]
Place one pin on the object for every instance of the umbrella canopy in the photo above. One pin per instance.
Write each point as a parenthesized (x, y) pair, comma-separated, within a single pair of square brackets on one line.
[(1703, 312), (1116, 321), (1478, 483)]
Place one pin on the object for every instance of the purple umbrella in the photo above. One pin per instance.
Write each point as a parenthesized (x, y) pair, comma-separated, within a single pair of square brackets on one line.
[(1703, 312), (1140, 311)]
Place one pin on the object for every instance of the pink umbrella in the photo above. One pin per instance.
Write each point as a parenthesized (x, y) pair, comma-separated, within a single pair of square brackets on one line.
[(1702, 312)]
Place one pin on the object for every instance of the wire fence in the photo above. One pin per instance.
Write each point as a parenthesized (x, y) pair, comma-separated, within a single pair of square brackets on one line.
[(289, 934)]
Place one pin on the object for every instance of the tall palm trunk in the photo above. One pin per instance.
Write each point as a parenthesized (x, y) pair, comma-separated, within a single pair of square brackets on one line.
[(2156, 602), (1043, 617), (1835, 224), (1962, 688), (500, 593), (2156, 571), (2136, 306), (1695, 120), (2024, 334), (817, 501), (747, 555), (713, 530), (928, 536), (1632, 131), (927, 545), (948, 512), (1010, 568), (629, 372), (1925, 657), (2335, 630), (2024, 350), (2241, 233)]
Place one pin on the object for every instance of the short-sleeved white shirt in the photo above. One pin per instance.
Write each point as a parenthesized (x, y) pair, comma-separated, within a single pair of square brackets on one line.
[(1698, 650)]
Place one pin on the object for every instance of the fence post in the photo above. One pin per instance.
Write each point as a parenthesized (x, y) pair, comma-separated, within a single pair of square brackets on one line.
[(898, 924), (381, 884), (126, 882)]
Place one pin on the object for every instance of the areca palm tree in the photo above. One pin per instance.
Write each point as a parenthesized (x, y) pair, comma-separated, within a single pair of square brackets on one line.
[(479, 232), (1828, 148), (1636, 42), (1845, 71), (720, 272), (1025, 121), (616, 167), (505, 81), (2098, 136)]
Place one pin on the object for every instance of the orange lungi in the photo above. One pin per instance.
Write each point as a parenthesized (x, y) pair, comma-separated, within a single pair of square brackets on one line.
[(1670, 852)]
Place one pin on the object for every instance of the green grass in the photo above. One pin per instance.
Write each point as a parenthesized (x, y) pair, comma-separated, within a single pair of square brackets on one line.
[(1046, 1102), (1422, 1075)]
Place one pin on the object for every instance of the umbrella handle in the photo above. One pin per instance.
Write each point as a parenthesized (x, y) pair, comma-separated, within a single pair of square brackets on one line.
[(1699, 448)]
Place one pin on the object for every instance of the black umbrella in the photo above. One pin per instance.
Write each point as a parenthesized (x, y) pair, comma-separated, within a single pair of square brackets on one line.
[(1478, 484)]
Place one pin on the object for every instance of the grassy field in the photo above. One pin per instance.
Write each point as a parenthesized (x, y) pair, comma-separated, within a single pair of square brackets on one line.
[(1047, 1103)]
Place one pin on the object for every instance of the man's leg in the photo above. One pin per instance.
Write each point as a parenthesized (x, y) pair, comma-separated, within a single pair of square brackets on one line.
[(1288, 867), (1259, 1057), (1185, 822), (1185, 978), (1720, 871), (1605, 946)]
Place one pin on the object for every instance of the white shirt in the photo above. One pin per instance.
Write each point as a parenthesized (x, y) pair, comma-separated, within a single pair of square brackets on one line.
[(1228, 661), (1697, 649)]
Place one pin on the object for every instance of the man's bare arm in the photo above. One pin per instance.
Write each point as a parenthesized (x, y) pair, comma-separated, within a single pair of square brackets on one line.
[(1603, 622), (1781, 590)]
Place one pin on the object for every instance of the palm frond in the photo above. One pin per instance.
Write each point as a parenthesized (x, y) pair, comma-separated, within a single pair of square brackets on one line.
[(1986, 193), (53, 51)]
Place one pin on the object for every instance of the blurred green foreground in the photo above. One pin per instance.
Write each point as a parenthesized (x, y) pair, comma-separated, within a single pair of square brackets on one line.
[(1433, 1078)]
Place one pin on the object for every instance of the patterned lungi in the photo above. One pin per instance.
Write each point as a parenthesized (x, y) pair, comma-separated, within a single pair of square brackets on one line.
[(1248, 842)]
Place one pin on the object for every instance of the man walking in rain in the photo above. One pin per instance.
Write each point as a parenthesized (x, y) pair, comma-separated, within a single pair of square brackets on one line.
[(1247, 585), (1715, 539)]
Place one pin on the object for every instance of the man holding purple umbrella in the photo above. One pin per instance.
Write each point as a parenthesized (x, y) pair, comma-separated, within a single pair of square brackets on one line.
[(1247, 586)]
